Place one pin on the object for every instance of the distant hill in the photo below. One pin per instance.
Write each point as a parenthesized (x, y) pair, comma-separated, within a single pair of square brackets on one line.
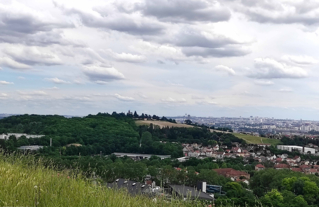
[(6, 115)]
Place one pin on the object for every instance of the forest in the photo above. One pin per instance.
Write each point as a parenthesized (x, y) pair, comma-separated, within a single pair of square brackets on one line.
[(103, 134)]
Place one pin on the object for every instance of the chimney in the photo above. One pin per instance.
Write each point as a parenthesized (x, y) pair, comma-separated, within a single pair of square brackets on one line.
[(204, 187), (201, 186)]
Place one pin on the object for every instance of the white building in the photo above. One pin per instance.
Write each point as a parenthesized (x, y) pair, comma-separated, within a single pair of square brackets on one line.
[(18, 135), (30, 147), (303, 150)]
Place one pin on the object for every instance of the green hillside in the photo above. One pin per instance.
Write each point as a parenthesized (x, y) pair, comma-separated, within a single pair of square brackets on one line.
[(257, 140), (28, 183)]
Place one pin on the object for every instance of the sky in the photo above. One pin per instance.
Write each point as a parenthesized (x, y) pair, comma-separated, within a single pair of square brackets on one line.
[(165, 57)]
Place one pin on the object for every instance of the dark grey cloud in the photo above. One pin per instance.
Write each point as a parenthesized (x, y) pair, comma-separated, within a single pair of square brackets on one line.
[(20, 24), (102, 75), (21, 57), (185, 11), (215, 52), (304, 12), (42, 38), (194, 41), (116, 21), (267, 68), (196, 38)]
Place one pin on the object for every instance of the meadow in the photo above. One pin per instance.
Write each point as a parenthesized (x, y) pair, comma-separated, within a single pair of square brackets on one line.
[(161, 124), (26, 182), (250, 139)]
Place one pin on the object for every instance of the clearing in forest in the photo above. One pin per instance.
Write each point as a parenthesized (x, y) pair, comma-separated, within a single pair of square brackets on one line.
[(161, 123)]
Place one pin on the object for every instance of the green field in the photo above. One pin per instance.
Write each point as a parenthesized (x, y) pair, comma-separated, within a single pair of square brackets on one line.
[(161, 123), (257, 140)]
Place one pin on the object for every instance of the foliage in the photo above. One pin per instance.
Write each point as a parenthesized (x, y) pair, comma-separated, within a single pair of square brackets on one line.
[(28, 183)]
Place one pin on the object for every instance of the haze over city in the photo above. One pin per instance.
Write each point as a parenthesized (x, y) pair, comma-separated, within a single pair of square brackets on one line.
[(200, 57)]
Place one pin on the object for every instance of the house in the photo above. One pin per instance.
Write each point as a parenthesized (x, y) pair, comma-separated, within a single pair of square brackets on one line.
[(264, 145), (259, 167), (296, 169), (311, 171), (231, 173), (135, 156), (278, 160), (236, 150), (132, 187), (187, 192), (281, 166)]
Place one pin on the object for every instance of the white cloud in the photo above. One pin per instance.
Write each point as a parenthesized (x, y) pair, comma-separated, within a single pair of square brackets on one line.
[(102, 74), (3, 95), (267, 68), (198, 97), (21, 78), (32, 55), (286, 90), (172, 100), (280, 12), (142, 95), (206, 102), (56, 80), (123, 98), (264, 82), (5, 83), (33, 93), (125, 57), (226, 69), (301, 60), (8, 62), (185, 11), (21, 24), (53, 88)]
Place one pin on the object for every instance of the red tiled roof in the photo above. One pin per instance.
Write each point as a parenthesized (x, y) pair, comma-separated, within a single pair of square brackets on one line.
[(296, 169), (281, 166), (230, 172), (260, 166), (305, 166)]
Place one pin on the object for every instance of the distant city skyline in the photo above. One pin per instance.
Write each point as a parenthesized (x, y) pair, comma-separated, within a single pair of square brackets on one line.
[(202, 57)]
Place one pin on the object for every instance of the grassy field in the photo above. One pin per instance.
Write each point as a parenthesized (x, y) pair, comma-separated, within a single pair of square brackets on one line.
[(257, 140), (28, 183), (161, 123)]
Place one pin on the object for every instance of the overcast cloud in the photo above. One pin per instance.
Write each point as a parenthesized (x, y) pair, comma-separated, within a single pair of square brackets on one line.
[(164, 57)]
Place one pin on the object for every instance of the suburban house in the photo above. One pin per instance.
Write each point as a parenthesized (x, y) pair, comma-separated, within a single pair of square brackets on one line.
[(231, 173), (281, 166), (259, 167)]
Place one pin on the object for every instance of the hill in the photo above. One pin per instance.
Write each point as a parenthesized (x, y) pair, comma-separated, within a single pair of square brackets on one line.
[(256, 140), (26, 184)]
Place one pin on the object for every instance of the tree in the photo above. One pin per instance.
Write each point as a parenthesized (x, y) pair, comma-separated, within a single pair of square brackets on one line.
[(299, 201), (146, 138), (310, 191), (273, 198)]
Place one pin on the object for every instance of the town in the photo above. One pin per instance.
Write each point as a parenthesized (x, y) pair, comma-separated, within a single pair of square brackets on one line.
[(257, 125)]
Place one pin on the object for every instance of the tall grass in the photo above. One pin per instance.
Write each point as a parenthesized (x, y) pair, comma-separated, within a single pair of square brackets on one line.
[(24, 181)]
